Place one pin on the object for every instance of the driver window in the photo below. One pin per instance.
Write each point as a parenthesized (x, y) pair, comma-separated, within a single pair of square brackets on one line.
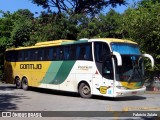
[(102, 55), (107, 67)]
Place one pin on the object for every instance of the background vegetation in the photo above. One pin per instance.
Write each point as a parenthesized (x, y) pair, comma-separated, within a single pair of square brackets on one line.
[(140, 23)]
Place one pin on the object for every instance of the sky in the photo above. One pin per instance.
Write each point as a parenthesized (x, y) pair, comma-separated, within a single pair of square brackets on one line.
[(14, 5)]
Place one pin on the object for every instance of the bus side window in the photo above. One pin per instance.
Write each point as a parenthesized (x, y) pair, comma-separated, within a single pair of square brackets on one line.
[(66, 52), (50, 54), (57, 53), (107, 62), (20, 56), (83, 55), (11, 56), (61, 54), (78, 52), (25, 55), (46, 54), (88, 52), (29, 55), (35, 55), (72, 52), (98, 51), (84, 52), (54, 54), (40, 54), (7, 58)]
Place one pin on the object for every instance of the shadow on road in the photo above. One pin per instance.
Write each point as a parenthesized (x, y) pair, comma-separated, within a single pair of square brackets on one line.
[(54, 92), (128, 98), (8, 98), (62, 93)]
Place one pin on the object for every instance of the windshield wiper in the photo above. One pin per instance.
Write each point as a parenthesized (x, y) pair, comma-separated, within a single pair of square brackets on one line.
[(135, 72)]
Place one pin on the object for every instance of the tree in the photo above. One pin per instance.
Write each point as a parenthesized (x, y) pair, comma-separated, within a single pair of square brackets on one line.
[(6, 24), (14, 30), (101, 26), (22, 27), (142, 24), (54, 26), (110, 24), (78, 6)]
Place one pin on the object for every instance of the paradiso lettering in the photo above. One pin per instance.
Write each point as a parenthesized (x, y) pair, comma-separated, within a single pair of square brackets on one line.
[(84, 67), (30, 66)]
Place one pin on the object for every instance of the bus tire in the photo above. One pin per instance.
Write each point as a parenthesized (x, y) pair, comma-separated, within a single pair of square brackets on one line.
[(18, 83), (25, 84), (84, 90)]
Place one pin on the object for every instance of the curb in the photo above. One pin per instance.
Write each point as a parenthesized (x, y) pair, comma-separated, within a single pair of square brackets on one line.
[(152, 92)]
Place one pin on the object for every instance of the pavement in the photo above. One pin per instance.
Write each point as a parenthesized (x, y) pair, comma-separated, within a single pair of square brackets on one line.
[(147, 92)]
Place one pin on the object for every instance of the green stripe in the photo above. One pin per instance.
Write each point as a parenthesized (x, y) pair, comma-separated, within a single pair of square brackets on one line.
[(58, 72), (76, 42)]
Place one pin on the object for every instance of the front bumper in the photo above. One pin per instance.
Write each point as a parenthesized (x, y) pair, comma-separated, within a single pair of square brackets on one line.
[(129, 92)]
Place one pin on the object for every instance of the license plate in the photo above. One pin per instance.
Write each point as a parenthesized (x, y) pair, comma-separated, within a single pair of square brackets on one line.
[(134, 92)]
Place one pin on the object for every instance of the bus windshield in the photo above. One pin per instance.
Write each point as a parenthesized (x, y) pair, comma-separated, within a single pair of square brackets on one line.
[(132, 64), (131, 69), (125, 48)]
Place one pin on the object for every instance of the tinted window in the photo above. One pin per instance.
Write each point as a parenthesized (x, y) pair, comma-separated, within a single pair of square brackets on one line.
[(84, 52), (11, 56), (41, 54), (26, 55), (7, 58), (54, 54), (34, 54), (101, 50), (66, 52), (103, 59), (61, 53), (20, 55), (98, 52), (48, 54)]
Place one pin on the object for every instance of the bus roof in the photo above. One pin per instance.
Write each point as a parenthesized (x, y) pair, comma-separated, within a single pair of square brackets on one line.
[(65, 42), (110, 40)]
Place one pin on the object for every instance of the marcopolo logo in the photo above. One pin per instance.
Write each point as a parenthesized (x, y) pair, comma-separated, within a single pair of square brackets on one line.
[(30, 66)]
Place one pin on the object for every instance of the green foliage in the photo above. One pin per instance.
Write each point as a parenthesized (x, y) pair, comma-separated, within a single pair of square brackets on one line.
[(21, 32), (101, 26), (14, 30), (142, 24), (54, 26), (78, 6), (22, 27)]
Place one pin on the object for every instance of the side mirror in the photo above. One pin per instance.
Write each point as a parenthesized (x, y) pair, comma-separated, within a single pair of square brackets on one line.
[(118, 57), (150, 57)]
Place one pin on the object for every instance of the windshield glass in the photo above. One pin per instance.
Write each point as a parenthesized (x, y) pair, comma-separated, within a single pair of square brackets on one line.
[(125, 48), (131, 69), (132, 64)]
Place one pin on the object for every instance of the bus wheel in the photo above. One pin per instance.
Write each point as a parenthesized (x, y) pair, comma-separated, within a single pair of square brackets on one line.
[(84, 90), (25, 84), (18, 83)]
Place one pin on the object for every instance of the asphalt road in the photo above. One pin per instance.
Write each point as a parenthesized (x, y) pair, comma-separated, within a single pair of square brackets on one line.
[(12, 99)]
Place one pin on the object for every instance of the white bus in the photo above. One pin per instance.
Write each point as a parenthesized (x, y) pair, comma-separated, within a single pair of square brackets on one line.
[(104, 66)]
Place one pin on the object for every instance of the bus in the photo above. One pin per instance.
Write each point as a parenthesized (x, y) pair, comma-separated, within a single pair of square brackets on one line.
[(104, 66)]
